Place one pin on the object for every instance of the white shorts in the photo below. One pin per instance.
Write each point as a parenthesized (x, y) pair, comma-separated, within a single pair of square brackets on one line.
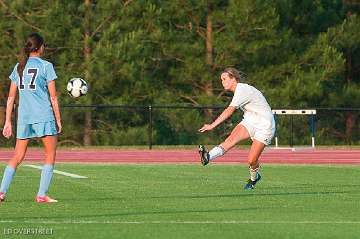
[(264, 135)]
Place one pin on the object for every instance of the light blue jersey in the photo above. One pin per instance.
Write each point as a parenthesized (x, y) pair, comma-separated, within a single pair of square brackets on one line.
[(34, 103)]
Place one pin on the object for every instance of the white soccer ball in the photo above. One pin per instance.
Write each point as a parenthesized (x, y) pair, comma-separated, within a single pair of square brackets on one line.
[(77, 87)]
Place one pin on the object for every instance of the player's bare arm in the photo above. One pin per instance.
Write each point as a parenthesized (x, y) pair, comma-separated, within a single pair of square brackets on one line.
[(55, 104), (224, 115), (7, 131)]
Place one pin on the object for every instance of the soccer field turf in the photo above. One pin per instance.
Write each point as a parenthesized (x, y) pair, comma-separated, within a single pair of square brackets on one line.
[(188, 201)]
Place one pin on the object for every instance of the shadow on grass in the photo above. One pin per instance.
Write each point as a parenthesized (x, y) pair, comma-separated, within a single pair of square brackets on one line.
[(254, 194), (121, 214), (97, 200)]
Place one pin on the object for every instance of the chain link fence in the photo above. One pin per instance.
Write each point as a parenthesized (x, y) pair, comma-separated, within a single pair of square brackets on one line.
[(121, 125)]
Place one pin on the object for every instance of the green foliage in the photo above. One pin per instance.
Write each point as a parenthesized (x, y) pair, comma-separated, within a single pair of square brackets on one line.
[(298, 53)]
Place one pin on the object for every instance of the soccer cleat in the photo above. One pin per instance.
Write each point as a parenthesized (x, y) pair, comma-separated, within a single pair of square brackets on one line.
[(2, 196), (251, 184), (45, 199), (204, 155)]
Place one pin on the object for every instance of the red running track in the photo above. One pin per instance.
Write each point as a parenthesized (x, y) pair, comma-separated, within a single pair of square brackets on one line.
[(279, 156)]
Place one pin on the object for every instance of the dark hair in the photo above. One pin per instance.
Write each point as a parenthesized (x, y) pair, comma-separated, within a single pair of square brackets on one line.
[(238, 75), (33, 43)]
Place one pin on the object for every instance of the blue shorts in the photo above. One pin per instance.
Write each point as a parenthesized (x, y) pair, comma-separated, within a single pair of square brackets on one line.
[(26, 131)]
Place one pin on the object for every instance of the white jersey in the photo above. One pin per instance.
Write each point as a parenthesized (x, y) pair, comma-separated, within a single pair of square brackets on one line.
[(256, 109)]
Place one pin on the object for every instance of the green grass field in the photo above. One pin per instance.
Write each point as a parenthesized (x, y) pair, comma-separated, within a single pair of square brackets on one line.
[(188, 201)]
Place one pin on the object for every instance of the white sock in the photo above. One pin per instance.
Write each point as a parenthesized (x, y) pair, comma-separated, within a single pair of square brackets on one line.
[(253, 173), (215, 152)]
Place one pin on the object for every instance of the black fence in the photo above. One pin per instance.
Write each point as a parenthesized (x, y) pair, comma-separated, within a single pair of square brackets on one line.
[(121, 125)]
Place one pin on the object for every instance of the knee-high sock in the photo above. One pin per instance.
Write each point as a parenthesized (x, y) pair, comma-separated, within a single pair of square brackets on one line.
[(253, 173), (215, 152), (45, 180), (9, 173)]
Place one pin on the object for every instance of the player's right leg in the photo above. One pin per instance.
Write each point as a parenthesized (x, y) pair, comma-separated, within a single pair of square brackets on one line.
[(9, 172), (256, 149), (238, 134), (50, 143)]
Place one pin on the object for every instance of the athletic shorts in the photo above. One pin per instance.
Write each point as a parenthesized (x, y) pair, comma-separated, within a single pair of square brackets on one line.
[(26, 131), (264, 135)]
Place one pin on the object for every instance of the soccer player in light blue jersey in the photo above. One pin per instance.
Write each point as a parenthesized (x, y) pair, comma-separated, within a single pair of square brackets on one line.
[(38, 113)]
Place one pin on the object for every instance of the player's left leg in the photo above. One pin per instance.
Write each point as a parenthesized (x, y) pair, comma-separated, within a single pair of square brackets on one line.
[(256, 149), (9, 172), (238, 134), (49, 143)]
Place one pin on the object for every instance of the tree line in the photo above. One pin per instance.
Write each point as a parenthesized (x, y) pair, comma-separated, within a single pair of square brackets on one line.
[(299, 53)]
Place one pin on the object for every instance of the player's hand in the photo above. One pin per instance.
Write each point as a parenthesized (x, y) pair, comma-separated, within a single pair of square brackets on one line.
[(206, 127), (58, 122), (7, 131)]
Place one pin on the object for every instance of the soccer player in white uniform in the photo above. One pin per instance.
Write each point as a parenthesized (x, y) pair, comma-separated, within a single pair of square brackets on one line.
[(258, 123)]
